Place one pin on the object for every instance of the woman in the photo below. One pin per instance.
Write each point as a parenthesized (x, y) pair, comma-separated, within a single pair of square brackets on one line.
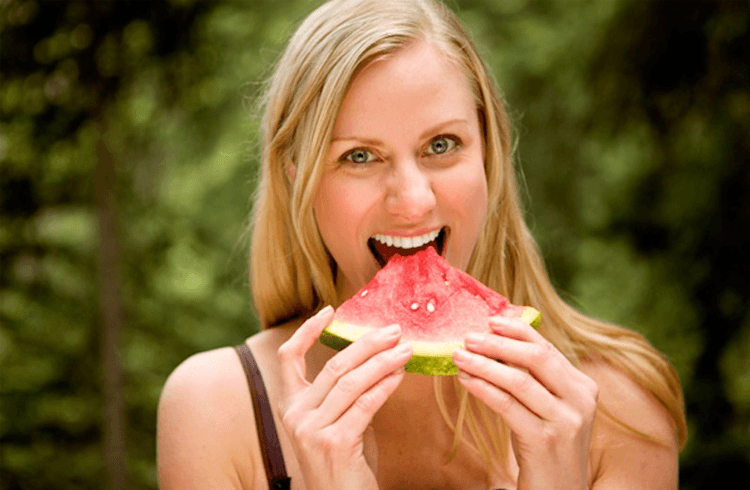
[(381, 121)]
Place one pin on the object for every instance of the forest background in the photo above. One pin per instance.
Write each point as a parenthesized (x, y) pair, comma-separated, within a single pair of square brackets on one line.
[(128, 156)]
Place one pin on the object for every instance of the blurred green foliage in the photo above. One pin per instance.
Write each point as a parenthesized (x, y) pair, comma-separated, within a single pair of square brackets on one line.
[(632, 120)]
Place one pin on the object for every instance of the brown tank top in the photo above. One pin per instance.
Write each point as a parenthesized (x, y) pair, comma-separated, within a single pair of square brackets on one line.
[(273, 459)]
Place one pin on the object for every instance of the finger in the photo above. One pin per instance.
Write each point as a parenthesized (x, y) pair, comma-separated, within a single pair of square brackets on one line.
[(516, 382), (519, 418), (354, 384), (515, 328), (360, 414), (292, 352), (362, 349), (540, 358)]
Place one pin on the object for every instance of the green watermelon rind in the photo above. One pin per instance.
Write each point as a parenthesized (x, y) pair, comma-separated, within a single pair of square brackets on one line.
[(429, 358), (531, 316)]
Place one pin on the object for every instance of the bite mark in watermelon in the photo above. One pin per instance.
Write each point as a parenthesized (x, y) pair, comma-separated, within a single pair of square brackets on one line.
[(435, 304)]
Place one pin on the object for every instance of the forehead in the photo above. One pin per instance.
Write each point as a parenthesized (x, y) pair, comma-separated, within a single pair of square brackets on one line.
[(410, 86)]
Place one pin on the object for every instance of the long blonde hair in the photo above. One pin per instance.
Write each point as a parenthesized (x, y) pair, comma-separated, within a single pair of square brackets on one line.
[(293, 275)]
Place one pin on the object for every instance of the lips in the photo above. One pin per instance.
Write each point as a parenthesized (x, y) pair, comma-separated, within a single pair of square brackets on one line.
[(383, 247)]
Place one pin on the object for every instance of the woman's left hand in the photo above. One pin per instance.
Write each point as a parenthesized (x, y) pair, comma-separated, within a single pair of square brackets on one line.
[(548, 404)]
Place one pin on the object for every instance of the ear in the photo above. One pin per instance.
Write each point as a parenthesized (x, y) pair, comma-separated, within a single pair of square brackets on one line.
[(291, 173)]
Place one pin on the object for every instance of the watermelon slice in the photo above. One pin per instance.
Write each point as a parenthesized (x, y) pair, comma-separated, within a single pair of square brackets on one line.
[(435, 304)]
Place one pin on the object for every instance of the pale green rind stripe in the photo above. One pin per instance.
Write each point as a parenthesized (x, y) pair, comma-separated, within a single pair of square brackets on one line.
[(430, 358)]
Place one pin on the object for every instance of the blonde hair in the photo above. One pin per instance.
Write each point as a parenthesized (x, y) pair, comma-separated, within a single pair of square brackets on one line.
[(292, 274)]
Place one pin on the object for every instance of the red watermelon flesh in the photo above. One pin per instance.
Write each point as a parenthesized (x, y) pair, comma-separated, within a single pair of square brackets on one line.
[(435, 304)]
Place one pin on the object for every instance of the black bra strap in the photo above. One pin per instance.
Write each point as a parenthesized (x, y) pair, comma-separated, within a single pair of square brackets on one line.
[(273, 459)]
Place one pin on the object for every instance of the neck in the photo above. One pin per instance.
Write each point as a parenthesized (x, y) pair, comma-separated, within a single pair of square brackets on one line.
[(413, 413), (411, 433)]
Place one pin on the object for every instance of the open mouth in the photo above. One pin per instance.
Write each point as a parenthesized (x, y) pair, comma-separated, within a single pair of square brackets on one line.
[(384, 247)]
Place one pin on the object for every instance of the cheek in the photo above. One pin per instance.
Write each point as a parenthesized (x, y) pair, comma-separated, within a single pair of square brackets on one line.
[(478, 208), (480, 196), (469, 197), (470, 191), (339, 208), (325, 207)]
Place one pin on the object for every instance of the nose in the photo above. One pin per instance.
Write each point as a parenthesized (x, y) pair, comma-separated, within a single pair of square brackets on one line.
[(410, 192)]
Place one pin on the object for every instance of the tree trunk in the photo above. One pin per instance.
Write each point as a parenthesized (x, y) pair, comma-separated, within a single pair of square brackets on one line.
[(111, 321)]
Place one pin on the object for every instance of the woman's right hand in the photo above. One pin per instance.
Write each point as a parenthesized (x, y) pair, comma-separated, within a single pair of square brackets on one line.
[(327, 419)]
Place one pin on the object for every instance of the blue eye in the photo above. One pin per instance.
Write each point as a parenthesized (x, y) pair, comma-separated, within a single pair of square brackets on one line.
[(359, 156), (441, 145)]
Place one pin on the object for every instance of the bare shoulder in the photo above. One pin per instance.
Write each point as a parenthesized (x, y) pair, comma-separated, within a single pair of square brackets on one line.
[(621, 458), (202, 417), (206, 436)]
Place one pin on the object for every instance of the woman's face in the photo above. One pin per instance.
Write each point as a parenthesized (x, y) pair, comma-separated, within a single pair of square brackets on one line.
[(405, 163)]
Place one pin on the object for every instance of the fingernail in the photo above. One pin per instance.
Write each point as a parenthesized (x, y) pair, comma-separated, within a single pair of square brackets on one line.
[(460, 356), (463, 375), (402, 349), (391, 330), (325, 310), (498, 322), (474, 339)]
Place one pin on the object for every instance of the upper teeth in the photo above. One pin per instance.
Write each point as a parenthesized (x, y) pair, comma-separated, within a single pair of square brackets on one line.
[(407, 242)]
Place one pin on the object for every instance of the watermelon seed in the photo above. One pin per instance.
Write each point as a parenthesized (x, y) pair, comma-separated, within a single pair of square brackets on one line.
[(414, 306), (364, 293), (430, 307)]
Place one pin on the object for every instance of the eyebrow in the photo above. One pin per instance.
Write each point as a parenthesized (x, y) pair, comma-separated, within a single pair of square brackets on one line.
[(374, 142)]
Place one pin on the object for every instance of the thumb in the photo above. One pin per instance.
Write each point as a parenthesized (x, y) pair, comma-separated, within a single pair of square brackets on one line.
[(370, 448), (292, 352)]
